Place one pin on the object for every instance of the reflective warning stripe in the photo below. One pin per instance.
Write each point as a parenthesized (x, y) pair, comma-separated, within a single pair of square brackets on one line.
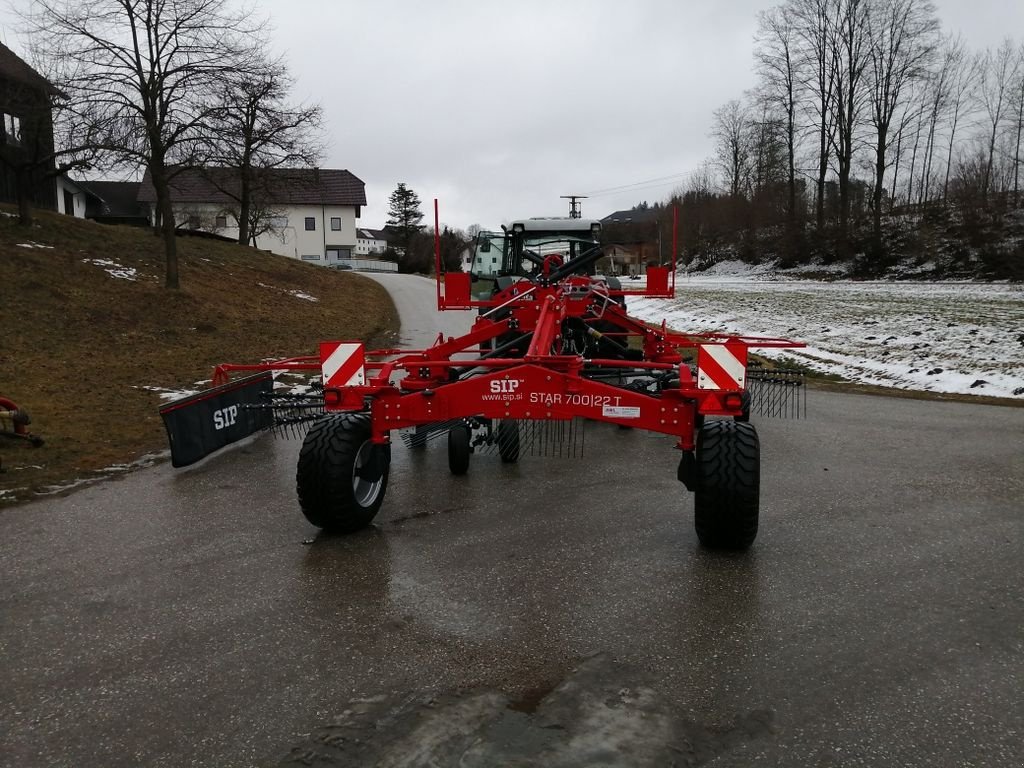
[(343, 363), (721, 366)]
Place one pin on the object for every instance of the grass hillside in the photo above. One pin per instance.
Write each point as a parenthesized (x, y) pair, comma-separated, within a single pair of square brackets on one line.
[(86, 325)]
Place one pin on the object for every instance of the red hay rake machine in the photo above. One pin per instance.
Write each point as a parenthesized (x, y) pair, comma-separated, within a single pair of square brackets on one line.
[(552, 348)]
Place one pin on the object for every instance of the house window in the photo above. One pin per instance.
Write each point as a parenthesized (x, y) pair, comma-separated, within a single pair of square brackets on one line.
[(312, 257), (278, 222), (336, 223), (12, 129), (221, 222), (310, 224), (193, 222)]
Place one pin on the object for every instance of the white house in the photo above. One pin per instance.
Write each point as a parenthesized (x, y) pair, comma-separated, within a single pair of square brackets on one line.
[(370, 241), (71, 197), (308, 213)]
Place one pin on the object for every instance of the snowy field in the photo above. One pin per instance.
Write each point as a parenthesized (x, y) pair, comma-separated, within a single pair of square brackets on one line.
[(939, 337)]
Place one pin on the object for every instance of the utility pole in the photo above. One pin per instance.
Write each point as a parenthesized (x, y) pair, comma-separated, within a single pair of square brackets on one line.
[(575, 211)]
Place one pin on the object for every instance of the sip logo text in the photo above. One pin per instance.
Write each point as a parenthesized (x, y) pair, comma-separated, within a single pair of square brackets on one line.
[(504, 386), (225, 417)]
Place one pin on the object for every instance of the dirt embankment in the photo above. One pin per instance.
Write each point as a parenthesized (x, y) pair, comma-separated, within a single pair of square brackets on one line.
[(90, 335)]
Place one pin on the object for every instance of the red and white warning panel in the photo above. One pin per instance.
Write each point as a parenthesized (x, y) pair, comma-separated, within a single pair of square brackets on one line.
[(721, 366), (343, 363)]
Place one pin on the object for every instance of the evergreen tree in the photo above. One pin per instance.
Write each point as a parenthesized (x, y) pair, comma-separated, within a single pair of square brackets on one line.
[(404, 217)]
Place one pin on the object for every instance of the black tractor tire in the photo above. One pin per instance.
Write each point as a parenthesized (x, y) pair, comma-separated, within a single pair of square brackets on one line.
[(342, 476), (508, 441), (728, 481), (458, 449)]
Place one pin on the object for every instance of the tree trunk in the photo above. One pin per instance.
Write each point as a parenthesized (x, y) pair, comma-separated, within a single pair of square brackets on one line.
[(926, 169), (986, 179), (166, 213), (791, 151), (913, 164), (876, 195), (170, 246), (1016, 151), (244, 206), (896, 166), (949, 157), (822, 173), (844, 206)]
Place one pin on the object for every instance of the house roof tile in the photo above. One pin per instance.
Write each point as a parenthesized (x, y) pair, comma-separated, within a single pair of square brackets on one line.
[(635, 215), (13, 67), (285, 186)]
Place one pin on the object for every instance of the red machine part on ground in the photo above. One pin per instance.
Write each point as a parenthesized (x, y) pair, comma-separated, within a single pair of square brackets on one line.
[(14, 423)]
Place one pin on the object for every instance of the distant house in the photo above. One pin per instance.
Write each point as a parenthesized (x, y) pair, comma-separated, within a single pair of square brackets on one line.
[(370, 241), (308, 213), (633, 216), (115, 202), (72, 197), (638, 241), (26, 136), (627, 259)]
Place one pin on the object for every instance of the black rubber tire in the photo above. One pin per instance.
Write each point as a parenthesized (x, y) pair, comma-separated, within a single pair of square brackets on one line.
[(458, 449), (508, 441), (339, 481), (728, 484)]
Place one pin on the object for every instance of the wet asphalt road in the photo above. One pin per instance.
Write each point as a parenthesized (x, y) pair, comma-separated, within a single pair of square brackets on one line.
[(193, 617)]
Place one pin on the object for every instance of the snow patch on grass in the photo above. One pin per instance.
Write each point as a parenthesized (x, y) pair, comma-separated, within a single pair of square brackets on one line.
[(296, 294), (114, 269), (31, 244), (171, 394)]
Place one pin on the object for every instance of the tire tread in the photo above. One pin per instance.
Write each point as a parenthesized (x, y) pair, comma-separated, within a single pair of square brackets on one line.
[(728, 484)]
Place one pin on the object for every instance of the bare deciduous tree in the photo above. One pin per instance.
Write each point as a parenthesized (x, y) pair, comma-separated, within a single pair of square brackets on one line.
[(966, 71), (936, 86), (849, 62), (994, 94), (776, 57), (141, 74), (732, 148), (255, 130), (815, 28), (901, 38), (1018, 95)]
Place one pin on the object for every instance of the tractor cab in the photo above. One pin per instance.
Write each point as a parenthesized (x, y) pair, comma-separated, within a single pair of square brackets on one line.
[(537, 249)]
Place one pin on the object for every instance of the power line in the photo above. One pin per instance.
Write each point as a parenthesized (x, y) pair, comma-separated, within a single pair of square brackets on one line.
[(637, 185)]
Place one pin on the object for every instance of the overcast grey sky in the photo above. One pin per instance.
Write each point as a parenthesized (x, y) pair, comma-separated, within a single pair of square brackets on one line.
[(499, 107)]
